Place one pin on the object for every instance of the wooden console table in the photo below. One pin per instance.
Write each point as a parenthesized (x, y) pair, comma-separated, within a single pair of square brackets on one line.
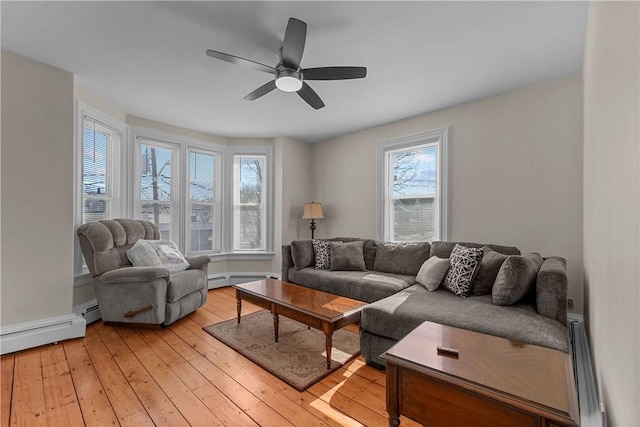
[(491, 381)]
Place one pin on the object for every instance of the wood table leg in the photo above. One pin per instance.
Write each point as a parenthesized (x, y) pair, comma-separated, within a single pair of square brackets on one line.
[(328, 333), (329, 344), (276, 321), (393, 406), (276, 324), (238, 306)]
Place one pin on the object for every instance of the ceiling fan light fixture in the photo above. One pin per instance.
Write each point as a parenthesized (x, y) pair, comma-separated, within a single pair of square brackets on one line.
[(288, 80)]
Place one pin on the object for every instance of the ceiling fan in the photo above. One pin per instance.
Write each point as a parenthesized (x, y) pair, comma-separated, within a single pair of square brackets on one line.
[(288, 75)]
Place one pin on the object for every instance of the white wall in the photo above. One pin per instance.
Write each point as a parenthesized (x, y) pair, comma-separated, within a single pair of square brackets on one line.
[(516, 173), (296, 170), (611, 204), (37, 190), (293, 178)]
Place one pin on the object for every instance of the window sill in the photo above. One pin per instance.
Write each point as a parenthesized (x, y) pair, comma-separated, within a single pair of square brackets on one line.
[(243, 256)]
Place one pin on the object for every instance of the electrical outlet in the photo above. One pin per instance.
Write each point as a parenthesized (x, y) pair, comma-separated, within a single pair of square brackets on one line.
[(570, 303)]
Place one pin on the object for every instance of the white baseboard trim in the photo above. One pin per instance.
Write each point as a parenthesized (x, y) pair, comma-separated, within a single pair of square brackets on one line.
[(40, 332), (219, 280), (46, 331)]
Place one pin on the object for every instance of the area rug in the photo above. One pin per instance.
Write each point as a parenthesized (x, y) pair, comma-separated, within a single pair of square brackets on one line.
[(298, 358)]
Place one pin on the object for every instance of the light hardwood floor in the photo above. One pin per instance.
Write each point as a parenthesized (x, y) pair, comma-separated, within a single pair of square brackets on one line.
[(179, 375)]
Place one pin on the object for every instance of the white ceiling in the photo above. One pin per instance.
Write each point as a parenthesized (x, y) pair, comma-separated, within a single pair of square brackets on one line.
[(148, 58)]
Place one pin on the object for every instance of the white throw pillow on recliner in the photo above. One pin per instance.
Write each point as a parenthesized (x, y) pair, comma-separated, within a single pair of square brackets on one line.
[(157, 253)]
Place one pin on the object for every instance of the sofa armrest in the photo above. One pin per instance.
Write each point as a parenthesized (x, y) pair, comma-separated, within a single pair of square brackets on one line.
[(134, 274), (198, 262), (551, 289), (287, 262)]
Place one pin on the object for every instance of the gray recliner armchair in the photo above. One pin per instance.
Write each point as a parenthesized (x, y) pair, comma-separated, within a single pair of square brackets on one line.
[(139, 296)]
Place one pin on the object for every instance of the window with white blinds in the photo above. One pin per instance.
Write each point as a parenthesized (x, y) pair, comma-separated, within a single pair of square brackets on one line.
[(99, 185), (100, 151)]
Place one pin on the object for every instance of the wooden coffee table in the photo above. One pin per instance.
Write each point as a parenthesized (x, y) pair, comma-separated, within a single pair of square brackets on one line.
[(317, 309), (491, 382)]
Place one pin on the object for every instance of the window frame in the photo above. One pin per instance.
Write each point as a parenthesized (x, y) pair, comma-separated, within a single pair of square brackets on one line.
[(118, 185), (267, 251), (440, 137), (176, 226), (217, 200)]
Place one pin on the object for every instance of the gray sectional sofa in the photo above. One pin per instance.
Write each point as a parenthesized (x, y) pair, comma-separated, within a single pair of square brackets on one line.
[(397, 304)]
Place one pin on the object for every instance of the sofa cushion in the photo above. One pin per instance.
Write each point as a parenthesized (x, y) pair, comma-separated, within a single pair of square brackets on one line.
[(401, 257), (551, 289), (370, 249), (444, 249), (488, 271), (361, 285), (515, 278), (463, 265), (347, 256), (395, 316), (432, 272), (302, 254)]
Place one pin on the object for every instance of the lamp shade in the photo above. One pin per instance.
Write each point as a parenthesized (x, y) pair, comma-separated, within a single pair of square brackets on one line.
[(312, 211)]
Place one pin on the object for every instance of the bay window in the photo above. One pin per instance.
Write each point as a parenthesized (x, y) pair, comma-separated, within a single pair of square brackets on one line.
[(208, 198)]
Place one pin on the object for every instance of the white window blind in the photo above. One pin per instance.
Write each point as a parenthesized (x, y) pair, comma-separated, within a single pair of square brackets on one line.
[(99, 182)]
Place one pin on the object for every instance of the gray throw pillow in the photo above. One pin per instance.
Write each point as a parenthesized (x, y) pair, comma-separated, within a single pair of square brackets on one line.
[(488, 271), (463, 266), (515, 278), (302, 254), (432, 272), (347, 256), (401, 258)]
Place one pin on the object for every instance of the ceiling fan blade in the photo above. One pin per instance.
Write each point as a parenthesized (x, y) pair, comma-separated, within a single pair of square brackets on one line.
[(293, 45), (261, 91), (334, 73), (310, 96), (241, 61)]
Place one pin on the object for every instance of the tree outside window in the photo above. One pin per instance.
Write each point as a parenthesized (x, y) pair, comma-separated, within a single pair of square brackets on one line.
[(249, 202)]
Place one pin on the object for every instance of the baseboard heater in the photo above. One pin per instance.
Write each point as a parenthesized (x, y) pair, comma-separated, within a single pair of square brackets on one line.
[(227, 279), (90, 311), (590, 412)]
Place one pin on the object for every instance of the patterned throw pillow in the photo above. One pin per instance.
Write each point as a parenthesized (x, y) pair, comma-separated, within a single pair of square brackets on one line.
[(322, 250), (463, 264)]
